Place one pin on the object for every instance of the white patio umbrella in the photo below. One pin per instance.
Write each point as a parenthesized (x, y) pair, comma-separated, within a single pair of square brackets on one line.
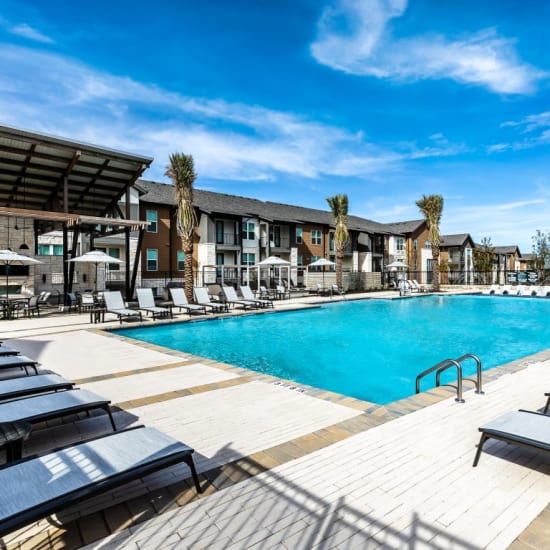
[(321, 262), (273, 261), (396, 264), (96, 257), (8, 257)]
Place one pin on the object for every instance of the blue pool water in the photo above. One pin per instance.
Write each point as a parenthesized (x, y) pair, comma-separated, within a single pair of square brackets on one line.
[(370, 349)]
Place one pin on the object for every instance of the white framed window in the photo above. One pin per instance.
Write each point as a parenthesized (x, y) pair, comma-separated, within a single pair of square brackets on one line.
[(248, 258), (399, 244), (316, 236), (152, 217), (114, 253), (50, 250), (152, 259), (315, 267), (299, 235), (181, 260), (299, 260), (249, 231)]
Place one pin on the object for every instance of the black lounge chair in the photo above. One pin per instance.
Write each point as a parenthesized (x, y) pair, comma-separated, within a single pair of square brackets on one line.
[(525, 428), (39, 408), (231, 297), (203, 299), (179, 300), (14, 361), (6, 351), (31, 385), (34, 488), (146, 302), (115, 304)]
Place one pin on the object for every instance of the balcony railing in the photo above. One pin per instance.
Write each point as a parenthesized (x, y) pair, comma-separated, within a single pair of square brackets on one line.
[(228, 239)]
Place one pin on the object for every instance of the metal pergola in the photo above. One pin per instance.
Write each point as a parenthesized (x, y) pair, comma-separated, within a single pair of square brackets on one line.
[(72, 186)]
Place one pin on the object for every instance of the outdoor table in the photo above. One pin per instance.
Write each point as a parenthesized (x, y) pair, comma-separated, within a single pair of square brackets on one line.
[(97, 314), (9, 305)]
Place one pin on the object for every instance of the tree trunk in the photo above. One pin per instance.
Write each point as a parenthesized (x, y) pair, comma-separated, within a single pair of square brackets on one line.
[(187, 246), (339, 263), (435, 257)]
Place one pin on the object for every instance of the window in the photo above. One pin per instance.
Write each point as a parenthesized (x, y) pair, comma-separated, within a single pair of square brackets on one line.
[(151, 217), (315, 267), (50, 250), (331, 241), (114, 253), (399, 244), (300, 260), (316, 237), (427, 244), (219, 261), (181, 260), (299, 235), (248, 258), (152, 259), (275, 235), (249, 230), (219, 232)]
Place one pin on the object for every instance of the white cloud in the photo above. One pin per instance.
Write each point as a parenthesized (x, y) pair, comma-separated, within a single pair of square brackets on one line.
[(354, 36), (26, 31), (57, 95)]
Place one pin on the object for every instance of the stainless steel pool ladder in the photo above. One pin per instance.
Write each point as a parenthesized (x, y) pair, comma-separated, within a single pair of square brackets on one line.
[(457, 363)]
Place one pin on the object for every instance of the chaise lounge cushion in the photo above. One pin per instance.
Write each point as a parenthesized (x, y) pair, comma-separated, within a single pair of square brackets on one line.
[(37, 487), (525, 428)]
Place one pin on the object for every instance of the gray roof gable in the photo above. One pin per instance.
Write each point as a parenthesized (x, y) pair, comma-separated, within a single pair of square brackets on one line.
[(455, 240)]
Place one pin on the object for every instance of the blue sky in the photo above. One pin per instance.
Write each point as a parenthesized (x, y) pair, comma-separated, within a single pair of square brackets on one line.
[(297, 100)]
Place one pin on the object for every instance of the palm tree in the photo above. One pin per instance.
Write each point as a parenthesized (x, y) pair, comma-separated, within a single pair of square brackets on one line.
[(431, 207), (182, 173), (339, 207)]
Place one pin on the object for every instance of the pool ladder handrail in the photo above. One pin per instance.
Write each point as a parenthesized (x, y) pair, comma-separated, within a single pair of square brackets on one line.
[(449, 363)]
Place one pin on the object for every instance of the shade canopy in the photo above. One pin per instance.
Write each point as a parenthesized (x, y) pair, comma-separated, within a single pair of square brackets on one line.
[(322, 262), (96, 257), (273, 260), (396, 264), (9, 257)]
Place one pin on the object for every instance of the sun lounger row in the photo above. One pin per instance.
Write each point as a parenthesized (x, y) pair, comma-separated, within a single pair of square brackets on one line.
[(204, 303), (518, 290), (32, 487)]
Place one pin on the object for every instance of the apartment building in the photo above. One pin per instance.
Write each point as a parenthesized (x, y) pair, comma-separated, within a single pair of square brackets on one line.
[(234, 233)]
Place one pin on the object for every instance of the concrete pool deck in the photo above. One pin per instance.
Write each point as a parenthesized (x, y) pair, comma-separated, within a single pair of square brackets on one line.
[(287, 466)]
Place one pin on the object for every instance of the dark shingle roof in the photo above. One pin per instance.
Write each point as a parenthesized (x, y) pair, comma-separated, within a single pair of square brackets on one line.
[(512, 249), (404, 227), (211, 202), (455, 240)]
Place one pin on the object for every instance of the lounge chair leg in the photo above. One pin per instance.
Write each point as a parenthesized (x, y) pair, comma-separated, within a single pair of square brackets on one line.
[(547, 404), (189, 461), (108, 411), (484, 437)]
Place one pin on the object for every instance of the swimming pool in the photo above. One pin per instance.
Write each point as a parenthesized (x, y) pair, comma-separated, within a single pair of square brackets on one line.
[(368, 349)]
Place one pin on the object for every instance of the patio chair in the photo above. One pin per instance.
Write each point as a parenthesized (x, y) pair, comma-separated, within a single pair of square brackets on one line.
[(115, 304), (146, 302), (232, 298), (524, 428), (86, 302), (40, 408), (247, 293), (33, 488), (203, 299), (504, 290), (282, 292), (338, 291), (179, 300), (31, 385), (21, 361), (32, 307)]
